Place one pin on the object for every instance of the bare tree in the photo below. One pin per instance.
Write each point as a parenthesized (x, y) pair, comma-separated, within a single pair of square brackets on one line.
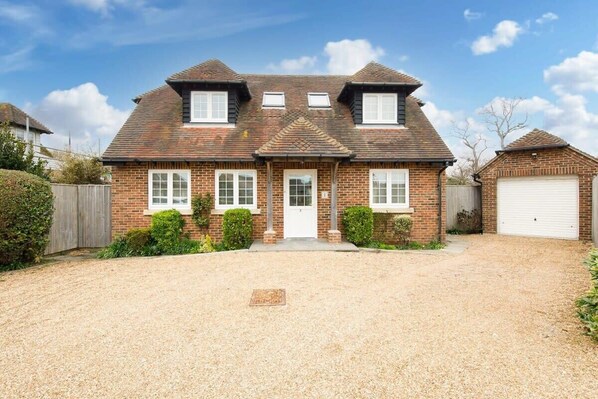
[(476, 145), (500, 118), (460, 173)]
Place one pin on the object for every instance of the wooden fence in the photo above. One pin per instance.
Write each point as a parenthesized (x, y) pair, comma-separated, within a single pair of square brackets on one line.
[(82, 217), (595, 211), (459, 198)]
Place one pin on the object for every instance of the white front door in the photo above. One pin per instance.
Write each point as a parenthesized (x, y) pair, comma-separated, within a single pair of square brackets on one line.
[(300, 207)]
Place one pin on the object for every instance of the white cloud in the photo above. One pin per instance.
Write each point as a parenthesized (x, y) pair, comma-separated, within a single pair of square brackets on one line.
[(348, 56), (83, 112), (472, 15), (440, 118), (404, 58), (17, 60), (17, 12), (503, 35), (547, 17), (575, 74), (101, 6), (295, 65)]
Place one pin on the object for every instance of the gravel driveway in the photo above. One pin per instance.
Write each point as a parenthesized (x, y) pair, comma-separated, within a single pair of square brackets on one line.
[(496, 321)]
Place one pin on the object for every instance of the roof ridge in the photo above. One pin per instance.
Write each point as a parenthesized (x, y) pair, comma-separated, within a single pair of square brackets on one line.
[(207, 63)]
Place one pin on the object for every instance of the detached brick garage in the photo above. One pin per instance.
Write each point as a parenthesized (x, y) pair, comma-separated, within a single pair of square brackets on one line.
[(539, 186)]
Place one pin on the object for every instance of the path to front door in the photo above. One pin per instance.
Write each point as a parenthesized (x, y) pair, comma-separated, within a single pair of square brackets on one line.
[(300, 203)]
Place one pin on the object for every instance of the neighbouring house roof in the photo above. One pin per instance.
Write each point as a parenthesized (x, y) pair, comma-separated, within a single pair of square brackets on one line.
[(155, 131), (17, 117), (303, 138), (536, 139)]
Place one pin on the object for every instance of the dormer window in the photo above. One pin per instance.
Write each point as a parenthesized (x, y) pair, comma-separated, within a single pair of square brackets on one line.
[(209, 106), (318, 100), (273, 100), (380, 108)]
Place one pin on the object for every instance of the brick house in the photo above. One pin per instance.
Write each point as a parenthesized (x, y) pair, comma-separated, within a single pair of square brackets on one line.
[(294, 150), (539, 186)]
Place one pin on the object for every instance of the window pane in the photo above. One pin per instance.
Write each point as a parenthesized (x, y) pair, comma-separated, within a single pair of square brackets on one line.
[(379, 187), (318, 100), (370, 108), (398, 193), (159, 188), (200, 106), (219, 106), (300, 191), (245, 188), (225, 189), (388, 108), (180, 183), (273, 100)]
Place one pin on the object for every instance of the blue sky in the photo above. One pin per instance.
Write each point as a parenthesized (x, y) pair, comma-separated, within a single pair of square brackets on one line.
[(75, 64)]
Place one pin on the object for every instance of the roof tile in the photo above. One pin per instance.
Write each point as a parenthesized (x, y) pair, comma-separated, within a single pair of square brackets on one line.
[(211, 70), (536, 139), (378, 73)]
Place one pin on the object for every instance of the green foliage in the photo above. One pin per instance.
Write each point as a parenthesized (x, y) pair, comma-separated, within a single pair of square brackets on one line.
[(402, 225), (412, 245), (206, 244), (15, 154), (167, 228), (202, 206), (79, 169), (140, 242), (237, 229), (359, 224), (118, 248), (587, 305), (469, 222), (26, 210)]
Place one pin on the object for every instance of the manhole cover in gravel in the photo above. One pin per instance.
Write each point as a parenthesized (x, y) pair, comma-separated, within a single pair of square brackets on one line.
[(274, 297)]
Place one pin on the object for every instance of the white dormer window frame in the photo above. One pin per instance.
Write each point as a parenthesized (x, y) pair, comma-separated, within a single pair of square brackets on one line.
[(312, 96), (266, 104), (210, 109), (380, 116)]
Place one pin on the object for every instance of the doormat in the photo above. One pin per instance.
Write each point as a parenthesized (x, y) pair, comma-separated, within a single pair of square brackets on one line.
[(272, 297)]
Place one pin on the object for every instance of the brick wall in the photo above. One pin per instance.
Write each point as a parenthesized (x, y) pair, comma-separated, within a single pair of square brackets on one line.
[(130, 195), (548, 162)]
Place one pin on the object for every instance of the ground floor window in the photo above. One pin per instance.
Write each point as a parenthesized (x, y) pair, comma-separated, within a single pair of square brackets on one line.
[(389, 188), (236, 189), (169, 189)]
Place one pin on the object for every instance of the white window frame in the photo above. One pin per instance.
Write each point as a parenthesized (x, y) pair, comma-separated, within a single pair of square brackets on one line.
[(326, 95), (209, 119), (389, 203), (379, 119), (169, 186), (284, 100), (235, 204)]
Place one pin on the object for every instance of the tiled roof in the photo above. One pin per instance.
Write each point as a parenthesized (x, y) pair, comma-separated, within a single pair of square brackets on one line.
[(214, 70), (378, 73), (15, 116), (303, 138), (155, 131), (536, 139)]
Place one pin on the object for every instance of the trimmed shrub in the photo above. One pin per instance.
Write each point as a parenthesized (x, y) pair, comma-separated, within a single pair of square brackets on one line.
[(140, 242), (167, 228), (237, 229), (587, 305), (402, 225), (359, 224), (27, 207)]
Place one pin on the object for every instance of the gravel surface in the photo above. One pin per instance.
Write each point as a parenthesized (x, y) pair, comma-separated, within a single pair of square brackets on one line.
[(497, 321)]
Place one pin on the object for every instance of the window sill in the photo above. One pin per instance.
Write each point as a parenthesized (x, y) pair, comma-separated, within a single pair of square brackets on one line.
[(149, 212), (385, 126), (253, 211), (210, 124), (393, 210)]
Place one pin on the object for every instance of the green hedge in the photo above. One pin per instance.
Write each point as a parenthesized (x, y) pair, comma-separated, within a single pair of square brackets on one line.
[(26, 210), (167, 228), (359, 224), (237, 229), (587, 305)]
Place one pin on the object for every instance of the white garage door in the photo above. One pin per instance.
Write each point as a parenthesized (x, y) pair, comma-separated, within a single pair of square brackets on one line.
[(539, 207)]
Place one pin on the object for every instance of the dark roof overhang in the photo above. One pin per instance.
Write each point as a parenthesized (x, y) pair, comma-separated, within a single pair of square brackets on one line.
[(350, 86), (120, 161), (531, 148), (240, 85), (443, 161)]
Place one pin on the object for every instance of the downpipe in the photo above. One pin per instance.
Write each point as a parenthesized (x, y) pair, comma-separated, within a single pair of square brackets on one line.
[(440, 214)]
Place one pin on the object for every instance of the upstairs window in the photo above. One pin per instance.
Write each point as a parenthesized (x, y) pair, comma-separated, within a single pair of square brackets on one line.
[(380, 108), (318, 100), (209, 106), (389, 188), (273, 100)]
